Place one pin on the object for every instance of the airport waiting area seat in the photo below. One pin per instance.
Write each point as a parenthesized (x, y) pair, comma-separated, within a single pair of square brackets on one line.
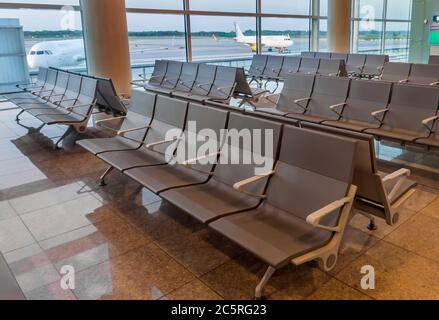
[(39, 83), (373, 67), (419, 74), (355, 64), (433, 59), (290, 66), (65, 99), (433, 140), (396, 72)]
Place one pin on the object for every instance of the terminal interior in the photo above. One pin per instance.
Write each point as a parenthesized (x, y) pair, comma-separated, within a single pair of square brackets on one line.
[(219, 150)]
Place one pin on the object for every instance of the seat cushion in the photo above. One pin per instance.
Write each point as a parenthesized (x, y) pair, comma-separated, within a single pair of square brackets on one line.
[(351, 125), (161, 178), (273, 111), (433, 142), (53, 116), (123, 160), (397, 134), (305, 117), (97, 146), (271, 234), (209, 201)]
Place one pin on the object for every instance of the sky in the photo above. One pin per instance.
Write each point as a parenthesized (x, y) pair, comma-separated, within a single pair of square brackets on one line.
[(55, 20)]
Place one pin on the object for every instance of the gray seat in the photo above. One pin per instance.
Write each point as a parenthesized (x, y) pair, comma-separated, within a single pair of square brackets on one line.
[(162, 178), (39, 83), (424, 74), (159, 73), (329, 93), (172, 74), (290, 66), (307, 54), (244, 91), (187, 78), (309, 66), (374, 65), (323, 55), (294, 96), (217, 197), (364, 98), (433, 60), (396, 72), (282, 230), (257, 67), (379, 195), (203, 84), (409, 107), (340, 56), (433, 140), (224, 85), (108, 98), (355, 63), (169, 115), (332, 68), (273, 67), (138, 117)]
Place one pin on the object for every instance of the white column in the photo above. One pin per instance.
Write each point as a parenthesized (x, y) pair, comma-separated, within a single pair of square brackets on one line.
[(106, 41)]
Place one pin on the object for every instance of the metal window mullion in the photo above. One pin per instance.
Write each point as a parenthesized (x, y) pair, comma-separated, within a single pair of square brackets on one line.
[(187, 30), (259, 26), (383, 39)]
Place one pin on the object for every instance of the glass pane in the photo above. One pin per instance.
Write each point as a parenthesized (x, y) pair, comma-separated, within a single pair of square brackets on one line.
[(225, 40), (323, 8), (55, 34), (224, 5), (397, 40), (323, 36), (290, 36), (299, 7), (369, 9), (155, 36), (399, 9), (154, 4), (367, 37), (61, 2)]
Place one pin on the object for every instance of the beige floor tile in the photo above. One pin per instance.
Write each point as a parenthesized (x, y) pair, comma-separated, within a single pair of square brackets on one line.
[(14, 235)]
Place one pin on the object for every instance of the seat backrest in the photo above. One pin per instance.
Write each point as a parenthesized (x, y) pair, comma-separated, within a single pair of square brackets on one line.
[(172, 74), (205, 129), (61, 83), (86, 99), (140, 114), (107, 96), (323, 55), (73, 88), (396, 71), (374, 64), (433, 60), (274, 66), (296, 86), (355, 63), (204, 81), (366, 97), (290, 66), (42, 76), (339, 56), (409, 106), (303, 183), (309, 65), (187, 78), (332, 68), (328, 91), (51, 79), (251, 144), (242, 86), (169, 114), (424, 74), (224, 84), (307, 54), (258, 65), (159, 72)]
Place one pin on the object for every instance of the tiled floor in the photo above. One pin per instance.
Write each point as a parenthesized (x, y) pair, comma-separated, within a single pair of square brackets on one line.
[(125, 243)]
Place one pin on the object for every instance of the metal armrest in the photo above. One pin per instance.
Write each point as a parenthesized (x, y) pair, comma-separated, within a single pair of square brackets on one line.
[(434, 83), (108, 120), (403, 81), (151, 146), (335, 106), (195, 160), (314, 218), (427, 121), (122, 132), (297, 102), (376, 113), (402, 175), (63, 100), (239, 186)]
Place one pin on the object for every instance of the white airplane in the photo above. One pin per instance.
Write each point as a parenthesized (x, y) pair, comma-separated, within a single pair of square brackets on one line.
[(280, 43), (62, 53)]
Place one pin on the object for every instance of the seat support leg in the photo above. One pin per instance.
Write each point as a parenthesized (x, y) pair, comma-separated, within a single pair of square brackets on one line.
[(267, 276), (102, 182), (17, 118), (68, 132), (372, 225)]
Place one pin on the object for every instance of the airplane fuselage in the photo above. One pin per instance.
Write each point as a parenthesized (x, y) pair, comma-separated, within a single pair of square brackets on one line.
[(62, 53)]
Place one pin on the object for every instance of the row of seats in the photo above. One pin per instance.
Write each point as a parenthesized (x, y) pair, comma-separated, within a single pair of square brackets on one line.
[(422, 74), (268, 67), (58, 97), (398, 112), (295, 211), (433, 60), (364, 65), (201, 83)]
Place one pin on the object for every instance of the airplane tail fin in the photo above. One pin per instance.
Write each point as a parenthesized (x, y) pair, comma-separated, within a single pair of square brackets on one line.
[(238, 31), (215, 37)]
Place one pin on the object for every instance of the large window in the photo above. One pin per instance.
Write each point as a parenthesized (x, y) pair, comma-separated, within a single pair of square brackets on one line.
[(52, 33), (382, 26)]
